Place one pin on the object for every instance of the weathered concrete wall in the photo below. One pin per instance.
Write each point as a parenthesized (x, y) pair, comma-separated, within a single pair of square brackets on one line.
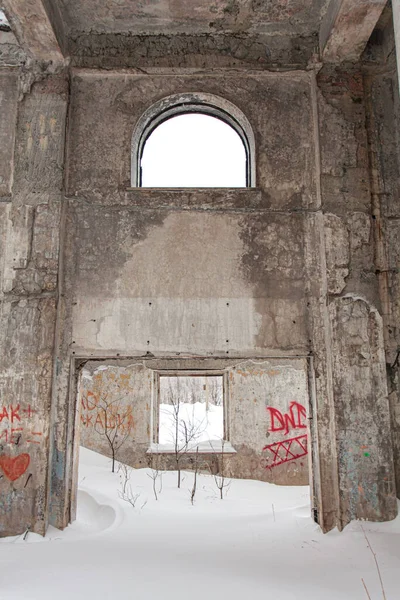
[(265, 414), (29, 269), (8, 108), (123, 395), (223, 273), (383, 112), (367, 487), (339, 260), (211, 272), (277, 106), (230, 33), (180, 281), (199, 275)]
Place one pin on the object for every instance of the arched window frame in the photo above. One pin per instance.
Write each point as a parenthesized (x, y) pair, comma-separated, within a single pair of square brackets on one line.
[(192, 102)]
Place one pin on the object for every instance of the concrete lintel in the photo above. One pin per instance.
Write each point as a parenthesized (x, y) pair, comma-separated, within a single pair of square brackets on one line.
[(33, 29), (347, 27)]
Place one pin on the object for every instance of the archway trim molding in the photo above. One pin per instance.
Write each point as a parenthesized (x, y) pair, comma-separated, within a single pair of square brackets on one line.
[(192, 102)]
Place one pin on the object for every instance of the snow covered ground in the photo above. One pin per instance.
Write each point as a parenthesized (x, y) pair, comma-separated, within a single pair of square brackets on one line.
[(259, 542)]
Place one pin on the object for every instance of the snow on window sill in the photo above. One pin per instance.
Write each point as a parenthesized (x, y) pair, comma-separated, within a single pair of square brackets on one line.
[(215, 447)]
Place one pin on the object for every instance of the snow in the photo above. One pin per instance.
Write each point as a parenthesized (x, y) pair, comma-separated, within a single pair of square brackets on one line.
[(258, 541), (204, 424), (191, 413)]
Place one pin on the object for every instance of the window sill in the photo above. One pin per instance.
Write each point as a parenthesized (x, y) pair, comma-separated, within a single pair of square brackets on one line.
[(198, 198), (204, 448)]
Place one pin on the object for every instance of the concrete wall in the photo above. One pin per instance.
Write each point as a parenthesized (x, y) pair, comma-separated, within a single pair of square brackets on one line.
[(189, 270), (8, 106), (383, 110), (265, 415), (95, 271), (229, 273), (29, 269)]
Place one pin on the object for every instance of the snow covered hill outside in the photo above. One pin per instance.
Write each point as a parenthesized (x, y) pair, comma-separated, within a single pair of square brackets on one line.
[(258, 542)]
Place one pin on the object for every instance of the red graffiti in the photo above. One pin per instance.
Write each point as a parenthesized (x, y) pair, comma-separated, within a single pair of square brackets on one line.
[(37, 433), (14, 467), (11, 415), (12, 418), (13, 436), (91, 401), (285, 451), (98, 415), (293, 419)]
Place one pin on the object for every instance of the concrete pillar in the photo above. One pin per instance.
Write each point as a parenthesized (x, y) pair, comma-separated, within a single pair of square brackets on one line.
[(28, 305)]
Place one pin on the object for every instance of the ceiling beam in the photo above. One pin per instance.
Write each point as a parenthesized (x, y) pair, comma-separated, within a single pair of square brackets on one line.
[(347, 27), (33, 29)]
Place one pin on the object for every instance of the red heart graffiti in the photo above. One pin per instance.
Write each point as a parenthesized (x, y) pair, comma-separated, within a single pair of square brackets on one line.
[(14, 467)]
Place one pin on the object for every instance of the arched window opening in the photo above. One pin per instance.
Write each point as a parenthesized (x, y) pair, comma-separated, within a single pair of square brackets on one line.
[(194, 150), (193, 140)]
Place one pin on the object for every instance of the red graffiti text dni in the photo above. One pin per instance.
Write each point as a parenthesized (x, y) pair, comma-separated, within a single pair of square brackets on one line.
[(293, 419)]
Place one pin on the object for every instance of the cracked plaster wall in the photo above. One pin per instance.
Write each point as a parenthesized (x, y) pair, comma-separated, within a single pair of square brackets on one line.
[(223, 273), (218, 273), (29, 269), (383, 103), (351, 273), (366, 477)]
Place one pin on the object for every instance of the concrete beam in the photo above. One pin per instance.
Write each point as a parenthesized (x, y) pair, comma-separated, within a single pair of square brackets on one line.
[(33, 29), (347, 27)]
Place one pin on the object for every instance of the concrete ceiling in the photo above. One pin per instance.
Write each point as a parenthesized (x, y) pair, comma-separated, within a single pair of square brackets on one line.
[(142, 34), (138, 17)]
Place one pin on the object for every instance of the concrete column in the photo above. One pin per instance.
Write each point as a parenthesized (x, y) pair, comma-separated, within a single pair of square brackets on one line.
[(28, 305)]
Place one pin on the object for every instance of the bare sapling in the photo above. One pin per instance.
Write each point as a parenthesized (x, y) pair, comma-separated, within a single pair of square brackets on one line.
[(129, 496), (220, 479), (196, 470), (186, 430), (125, 475), (126, 493), (156, 473), (113, 423)]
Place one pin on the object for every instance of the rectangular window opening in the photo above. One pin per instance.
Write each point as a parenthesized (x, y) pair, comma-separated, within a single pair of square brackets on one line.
[(190, 413)]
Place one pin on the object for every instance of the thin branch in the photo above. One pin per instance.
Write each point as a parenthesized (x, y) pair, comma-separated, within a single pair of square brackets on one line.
[(367, 592), (196, 467), (376, 561)]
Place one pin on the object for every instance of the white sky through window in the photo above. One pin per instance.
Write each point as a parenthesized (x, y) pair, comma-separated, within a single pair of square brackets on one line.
[(194, 150), (3, 20)]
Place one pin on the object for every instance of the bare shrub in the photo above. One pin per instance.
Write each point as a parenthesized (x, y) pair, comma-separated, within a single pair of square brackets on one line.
[(156, 474), (196, 470), (186, 431), (111, 423), (220, 478), (126, 493)]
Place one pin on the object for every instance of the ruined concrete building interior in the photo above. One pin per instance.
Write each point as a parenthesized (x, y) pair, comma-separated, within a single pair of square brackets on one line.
[(274, 300)]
